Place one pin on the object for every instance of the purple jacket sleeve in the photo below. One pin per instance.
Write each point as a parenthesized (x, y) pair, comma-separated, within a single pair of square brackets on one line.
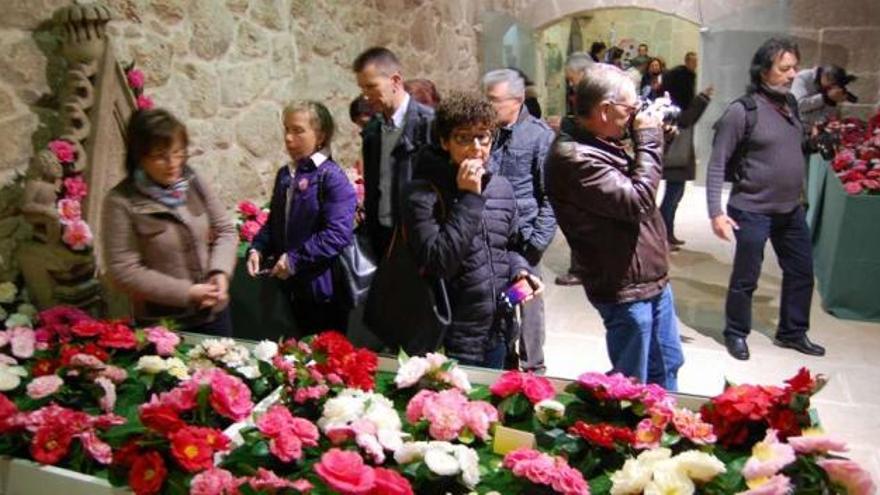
[(335, 228)]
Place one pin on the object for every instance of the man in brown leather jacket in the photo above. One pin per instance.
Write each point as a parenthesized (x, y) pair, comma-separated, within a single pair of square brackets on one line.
[(605, 203)]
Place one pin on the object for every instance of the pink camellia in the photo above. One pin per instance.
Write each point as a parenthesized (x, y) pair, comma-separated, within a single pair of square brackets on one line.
[(286, 446), (569, 480), (268, 481), (853, 188), (64, 150), (648, 435), (115, 374), (769, 456), (306, 431), (811, 443), (165, 340), (537, 388), (70, 210), (108, 400), (44, 386), (230, 397), (848, 474), (478, 417), (135, 79), (96, 448), (276, 419), (262, 217), (345, 472), (691, 426), (305, 394), (509, 383), (249, 230), (144, 102), (615, 386), (390, 482), (21, 342), (214, 481), (248, 209), (778, 484), (75, 188), (416, 405), (77, 235)]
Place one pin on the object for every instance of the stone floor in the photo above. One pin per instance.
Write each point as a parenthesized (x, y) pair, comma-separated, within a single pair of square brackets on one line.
[(848, 406)]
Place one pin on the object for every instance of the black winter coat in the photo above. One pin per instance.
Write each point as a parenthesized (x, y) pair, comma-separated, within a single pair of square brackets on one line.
[(466, 241)]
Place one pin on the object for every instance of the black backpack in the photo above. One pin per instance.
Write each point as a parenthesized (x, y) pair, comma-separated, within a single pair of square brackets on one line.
[(734, 167)]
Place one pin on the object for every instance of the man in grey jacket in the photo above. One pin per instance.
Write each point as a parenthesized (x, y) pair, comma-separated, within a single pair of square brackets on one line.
[(765, 201), (518, 154), (819, 91)]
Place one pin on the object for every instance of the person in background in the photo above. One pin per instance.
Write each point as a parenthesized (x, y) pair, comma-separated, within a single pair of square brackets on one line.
[(531, 99), (615, 56), (652, 81), (360, 112), (518, 154), (597, 51), (311, 220), (467, 240), (820, 91), (680, 160), (169, 243), (423, 91), (605, 203), (390, 141), (765, 200), (575, 68)]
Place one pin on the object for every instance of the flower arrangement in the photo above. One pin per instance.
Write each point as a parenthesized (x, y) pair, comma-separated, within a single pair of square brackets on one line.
[(136, 80), (857, 154), (75, 232), (249, 221)]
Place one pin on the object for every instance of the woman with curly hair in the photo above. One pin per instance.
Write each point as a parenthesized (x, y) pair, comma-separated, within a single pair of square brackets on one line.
[(460, 221)]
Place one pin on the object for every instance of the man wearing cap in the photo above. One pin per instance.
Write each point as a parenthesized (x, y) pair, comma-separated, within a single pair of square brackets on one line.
[(819, 91)]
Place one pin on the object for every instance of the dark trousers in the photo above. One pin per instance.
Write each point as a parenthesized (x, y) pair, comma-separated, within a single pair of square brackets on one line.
[(220, 326), (531, 340), (790, 237), (311, 317), (380, 240), (671, 198)]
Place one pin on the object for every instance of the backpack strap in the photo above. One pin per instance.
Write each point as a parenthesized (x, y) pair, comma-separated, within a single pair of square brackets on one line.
[(734, 166)]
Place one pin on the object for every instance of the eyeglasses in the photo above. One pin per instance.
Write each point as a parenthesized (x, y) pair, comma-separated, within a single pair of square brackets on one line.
[(482, 139), (168, 156), (629, 108)]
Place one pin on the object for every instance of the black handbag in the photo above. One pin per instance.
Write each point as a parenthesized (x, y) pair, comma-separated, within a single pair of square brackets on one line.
[(405, 308)]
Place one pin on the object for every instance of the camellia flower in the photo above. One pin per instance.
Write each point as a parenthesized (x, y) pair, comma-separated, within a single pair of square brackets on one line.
[(135, 79), (44, 386), (230, 397), (63, 149), (147, 474), (151, 364), (345, 471), (22, 341), (144, 102), (814, 440), (466, 459), (77, 235), (165, 340), (699, 466), (630, 479), (248, 209), (692, 427), (669, 480), (108, 400), (265, 350), (69, 210), (778, 484), (249, 230), (849, 475), (549, 410), (75, 188), (769, 456), (214, 481)]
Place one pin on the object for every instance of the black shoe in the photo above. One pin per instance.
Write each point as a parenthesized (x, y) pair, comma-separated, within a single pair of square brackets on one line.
[(674, 248), (801, 344), (568, 278), (737, 347), (673, 241)]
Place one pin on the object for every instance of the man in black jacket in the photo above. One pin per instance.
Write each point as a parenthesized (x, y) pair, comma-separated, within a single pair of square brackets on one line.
[(605, 202), (390, 140), (518, 154), (461, 222)]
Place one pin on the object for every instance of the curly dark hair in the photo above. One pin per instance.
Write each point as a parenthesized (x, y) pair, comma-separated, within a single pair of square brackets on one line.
[(463, 108)]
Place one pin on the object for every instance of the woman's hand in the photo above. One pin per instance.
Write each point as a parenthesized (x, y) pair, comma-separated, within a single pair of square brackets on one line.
[(221, 282), (203, 295), (535, 282), (253, 263), (470, 175), (281, 268)]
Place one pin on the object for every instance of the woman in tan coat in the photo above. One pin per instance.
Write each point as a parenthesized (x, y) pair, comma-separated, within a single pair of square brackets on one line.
[(167, 240)]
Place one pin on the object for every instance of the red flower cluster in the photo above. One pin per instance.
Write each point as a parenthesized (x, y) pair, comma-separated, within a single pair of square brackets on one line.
[(743, 413), (603, 434), (345, 472), (339, 361), (250, 220), (535, 388), (56, 323), (857, 162), (193, 447)]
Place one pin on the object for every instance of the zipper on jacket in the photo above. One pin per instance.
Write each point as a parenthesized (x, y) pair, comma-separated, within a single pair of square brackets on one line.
[(491, 261)]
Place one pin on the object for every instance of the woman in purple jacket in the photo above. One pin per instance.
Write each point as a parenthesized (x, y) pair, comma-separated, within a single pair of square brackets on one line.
[(310, 222)]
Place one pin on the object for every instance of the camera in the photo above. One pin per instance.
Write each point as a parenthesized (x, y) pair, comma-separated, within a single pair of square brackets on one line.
[(663, 108)]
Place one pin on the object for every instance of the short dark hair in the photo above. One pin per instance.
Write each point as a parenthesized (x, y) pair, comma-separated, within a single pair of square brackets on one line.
[(461, 108), (423, 91), (615, 53), (359, 107), (766, 54), (384, 59), (643, 45), (690, 54), (150, 130), (597, 47)]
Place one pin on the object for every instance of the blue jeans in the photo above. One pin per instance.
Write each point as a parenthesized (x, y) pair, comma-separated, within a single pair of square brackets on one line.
[(790, 237), (671, 198), (494, 357), (642, 339)]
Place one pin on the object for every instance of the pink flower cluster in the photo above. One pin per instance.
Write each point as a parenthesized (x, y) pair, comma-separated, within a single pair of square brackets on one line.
[(217, 481), (849, 475), (287, 434), (251, 220), (229, 396), (22, 341), (535, 388), (64, 150), (619, 387), (688, 424), (542, 469), (44, 386), (345, 472), (135, 79), (165, 340), (449, 413)]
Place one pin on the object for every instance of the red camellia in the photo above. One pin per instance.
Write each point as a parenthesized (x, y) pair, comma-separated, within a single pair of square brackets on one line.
[(7, 410), (50, 444), (509, 383), (191, 448), (345, 472), (390, 482), (44, 367), (118, 336), (161, 418), (88, 328), (537, 388), (147, 474), (603, 435), (802, 382)]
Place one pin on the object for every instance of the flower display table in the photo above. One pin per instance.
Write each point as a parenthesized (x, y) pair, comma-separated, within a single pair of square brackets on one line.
[(846, 238)]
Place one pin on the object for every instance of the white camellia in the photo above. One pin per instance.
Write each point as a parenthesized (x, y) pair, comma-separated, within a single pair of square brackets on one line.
[(548, 410), (10, 377), (650, 457), (631, 478), (669, 480), (699, 466), (470, 465), (459, 379), (442, 462), (176, 368), (266, 350), (151, 364), (410, 452), (341, 410), (249, 372), (411, 371)]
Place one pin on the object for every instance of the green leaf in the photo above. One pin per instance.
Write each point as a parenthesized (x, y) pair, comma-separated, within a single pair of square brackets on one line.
[(600, 485), (731, 481), (480, 392)]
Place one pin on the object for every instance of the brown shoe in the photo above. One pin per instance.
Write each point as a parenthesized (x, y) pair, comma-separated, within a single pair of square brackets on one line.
[(567, 279), (673, 241)]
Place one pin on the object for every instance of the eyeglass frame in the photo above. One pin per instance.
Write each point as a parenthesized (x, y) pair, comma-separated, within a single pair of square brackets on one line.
[(489, 139)]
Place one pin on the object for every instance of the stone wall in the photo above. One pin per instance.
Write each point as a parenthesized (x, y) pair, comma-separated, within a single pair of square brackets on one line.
[(227, 67)]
